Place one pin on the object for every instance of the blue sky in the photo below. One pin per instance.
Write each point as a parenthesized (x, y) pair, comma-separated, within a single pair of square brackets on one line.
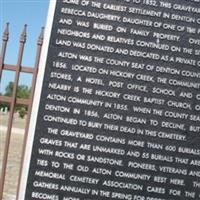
[(18, 13)]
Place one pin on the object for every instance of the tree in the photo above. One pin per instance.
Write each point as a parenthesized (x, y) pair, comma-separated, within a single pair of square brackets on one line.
[(23, 92), (9, 89)]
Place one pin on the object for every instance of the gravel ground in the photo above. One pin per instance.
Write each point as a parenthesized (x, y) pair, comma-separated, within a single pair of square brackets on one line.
[(13, 164), (17, 122), (14, 158)]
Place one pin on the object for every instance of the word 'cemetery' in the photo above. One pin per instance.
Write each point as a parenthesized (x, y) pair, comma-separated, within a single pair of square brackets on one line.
[(119, 112)]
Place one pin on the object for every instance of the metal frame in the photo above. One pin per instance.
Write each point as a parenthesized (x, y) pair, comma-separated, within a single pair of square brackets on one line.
[(13, 101)]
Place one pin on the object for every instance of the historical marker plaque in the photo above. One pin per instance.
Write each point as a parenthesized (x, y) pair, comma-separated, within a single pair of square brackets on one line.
[(118, 103)]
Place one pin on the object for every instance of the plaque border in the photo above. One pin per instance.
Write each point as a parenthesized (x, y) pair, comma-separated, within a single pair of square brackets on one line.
[(36, 100)]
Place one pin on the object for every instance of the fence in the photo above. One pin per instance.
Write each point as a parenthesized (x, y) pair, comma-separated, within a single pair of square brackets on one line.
[(13, 100)]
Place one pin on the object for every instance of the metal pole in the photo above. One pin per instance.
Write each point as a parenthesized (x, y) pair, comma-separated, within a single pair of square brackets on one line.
[(12, 110), (3, 49), (39, 48)]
